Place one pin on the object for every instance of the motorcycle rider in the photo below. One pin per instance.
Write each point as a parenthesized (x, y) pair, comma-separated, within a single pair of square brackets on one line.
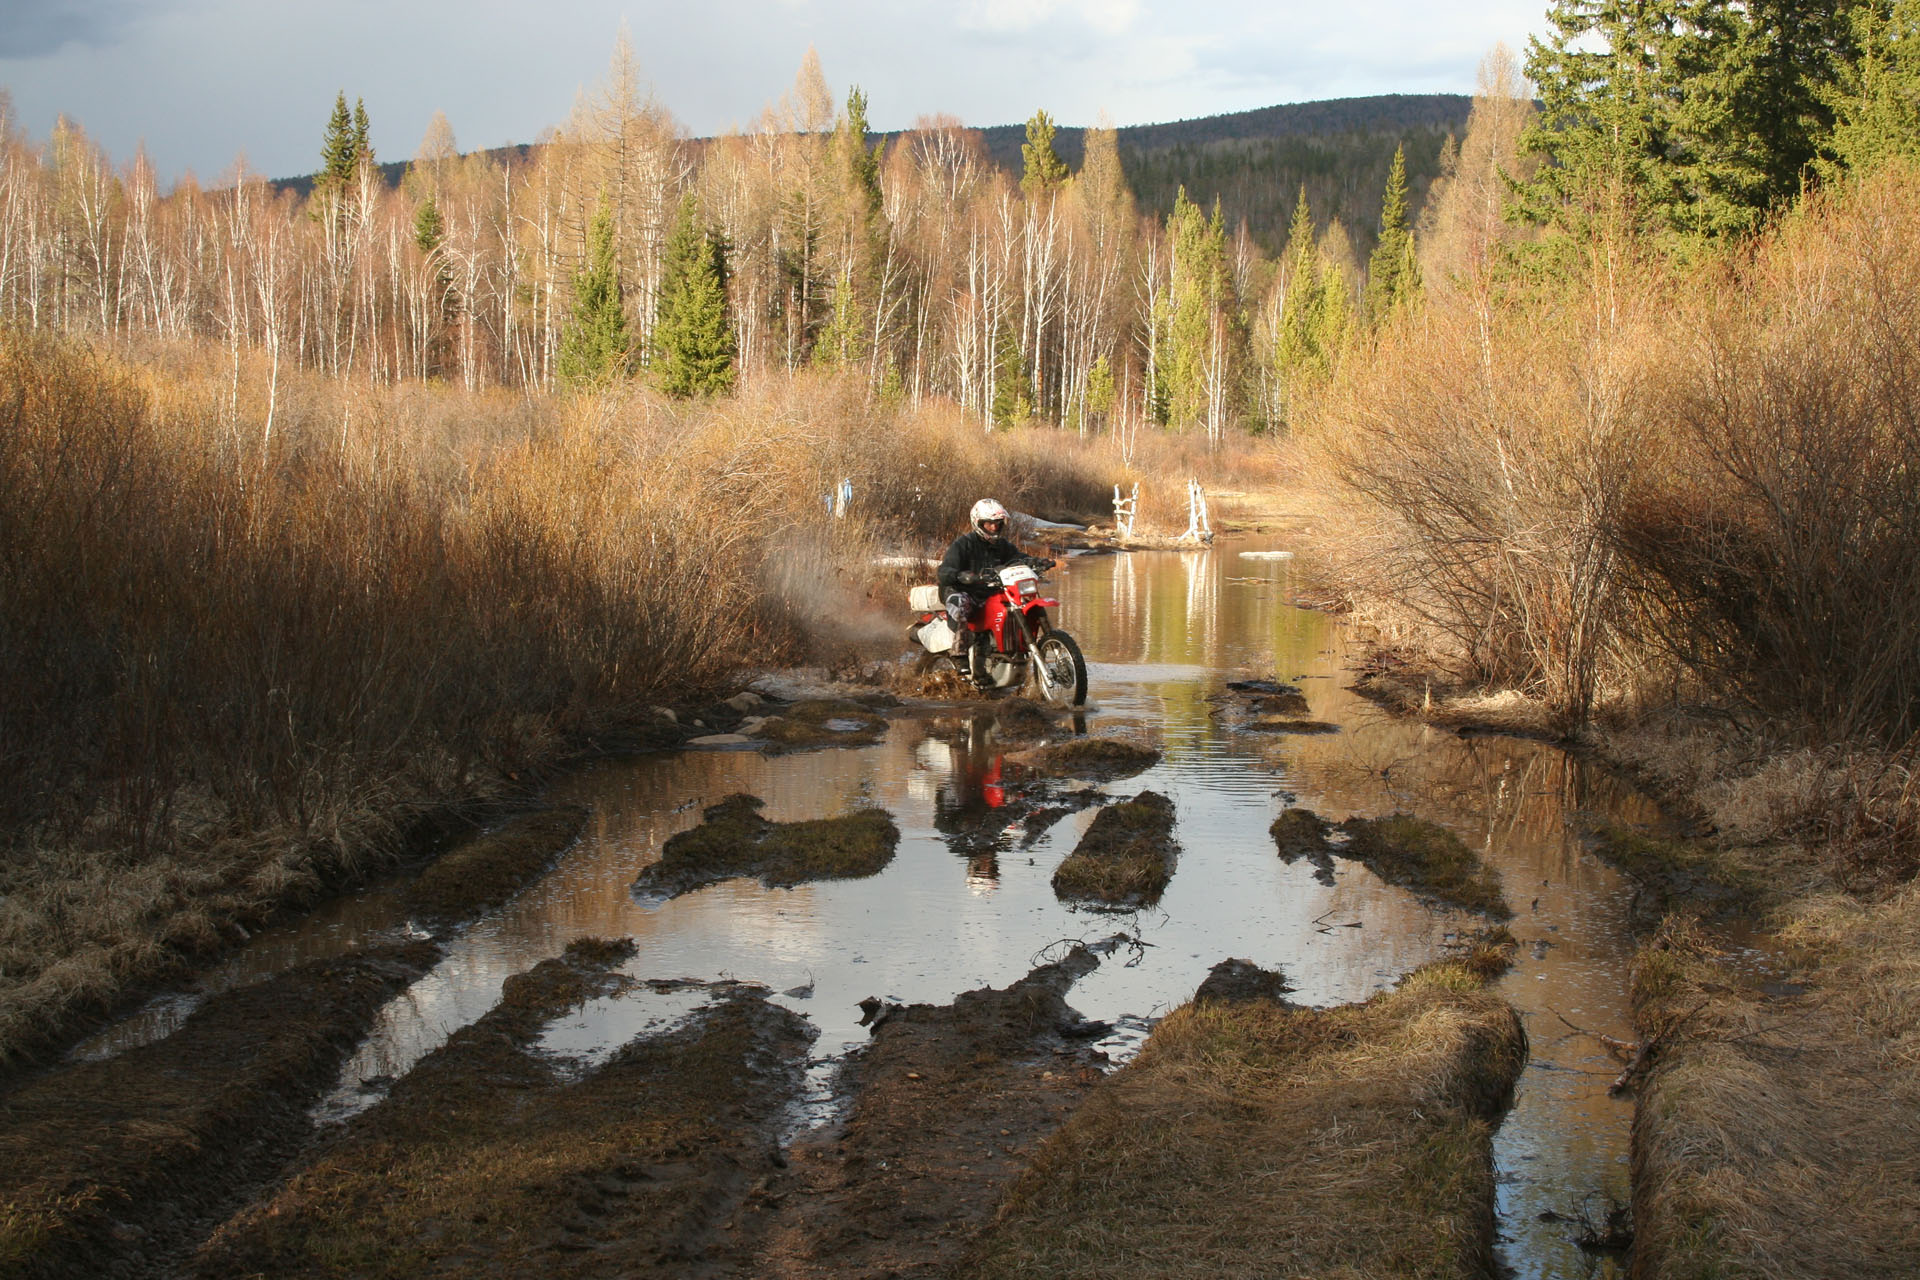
[(971, 572)]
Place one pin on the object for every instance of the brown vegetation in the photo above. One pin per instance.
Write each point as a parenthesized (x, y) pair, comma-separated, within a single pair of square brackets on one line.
[(1404, 850), (1253, 1138), (734, 840), (254, 644), (1097, 759)]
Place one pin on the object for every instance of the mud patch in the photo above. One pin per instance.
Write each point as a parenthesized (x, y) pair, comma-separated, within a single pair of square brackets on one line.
[(1290, 724), (734, 840), (948, 1103), (1094, 759), (1125, 859), (1676, 874), (484, 1162), (487, 871), (1236, 980), (1402, 850), (125, 1163), (829, 722), (1252, 1137)]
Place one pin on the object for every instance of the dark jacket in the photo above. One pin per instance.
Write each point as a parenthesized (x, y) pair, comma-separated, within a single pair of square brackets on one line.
[(971, 553)]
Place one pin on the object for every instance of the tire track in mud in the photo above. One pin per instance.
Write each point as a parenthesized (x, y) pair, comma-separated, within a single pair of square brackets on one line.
[(116, 1168), (947, 1104)]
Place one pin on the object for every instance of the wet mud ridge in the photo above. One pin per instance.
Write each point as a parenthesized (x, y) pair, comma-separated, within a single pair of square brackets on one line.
[(117, 1168), (948, 1104), (492, 1158)]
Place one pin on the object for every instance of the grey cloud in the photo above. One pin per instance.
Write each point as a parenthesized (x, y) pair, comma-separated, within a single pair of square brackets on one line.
[(30, 28)]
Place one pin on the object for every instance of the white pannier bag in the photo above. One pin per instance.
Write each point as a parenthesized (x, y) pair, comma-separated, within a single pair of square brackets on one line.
[(925, 599)]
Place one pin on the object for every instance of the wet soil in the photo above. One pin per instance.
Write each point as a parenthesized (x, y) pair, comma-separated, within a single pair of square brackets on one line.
[(734, 840), (491, 1158), (830, 722), (949, 1103), (112, 1168), (1126, 858)]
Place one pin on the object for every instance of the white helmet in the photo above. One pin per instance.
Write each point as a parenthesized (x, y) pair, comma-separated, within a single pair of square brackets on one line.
[(987, 509)]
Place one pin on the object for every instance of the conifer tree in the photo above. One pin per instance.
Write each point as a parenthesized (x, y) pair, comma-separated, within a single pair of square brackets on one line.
[(340, 149), (362, 135), (594, 346), (1045, 170), (1298, 353), (693, 349), (861, 166), (1012, 387), (429, 228), (1393, 273), (1876, 101), (1199, 299)]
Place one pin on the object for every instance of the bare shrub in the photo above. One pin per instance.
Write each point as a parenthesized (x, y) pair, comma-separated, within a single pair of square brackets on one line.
[(1775, 537)]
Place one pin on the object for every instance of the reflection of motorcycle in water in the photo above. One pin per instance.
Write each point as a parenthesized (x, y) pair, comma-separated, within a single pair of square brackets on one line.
[(970, 805)]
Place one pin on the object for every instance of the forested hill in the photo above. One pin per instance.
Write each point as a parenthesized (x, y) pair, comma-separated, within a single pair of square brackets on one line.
[(1254, 162)]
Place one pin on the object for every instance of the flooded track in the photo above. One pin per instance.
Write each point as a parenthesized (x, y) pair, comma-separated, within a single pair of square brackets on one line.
[(967, 903)]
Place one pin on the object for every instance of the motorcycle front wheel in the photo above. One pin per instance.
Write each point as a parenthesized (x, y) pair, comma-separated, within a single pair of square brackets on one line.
[(1059, 670)]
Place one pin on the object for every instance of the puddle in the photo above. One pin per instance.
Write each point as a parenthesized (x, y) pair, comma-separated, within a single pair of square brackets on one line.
[(967, 900)]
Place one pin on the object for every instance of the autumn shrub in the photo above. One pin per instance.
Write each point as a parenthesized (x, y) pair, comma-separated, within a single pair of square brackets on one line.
[(252, 640), (1774, 537), (1488, 440)]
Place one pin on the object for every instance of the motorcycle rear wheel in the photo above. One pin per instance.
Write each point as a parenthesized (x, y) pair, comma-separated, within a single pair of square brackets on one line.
[(1065, 679)]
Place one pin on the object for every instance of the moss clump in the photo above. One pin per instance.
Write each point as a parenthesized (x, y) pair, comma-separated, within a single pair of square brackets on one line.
[(734, 840), (829, 722), (486, 872), (1126, 857), (1426, 858), (1096, 759), (1300, 833)]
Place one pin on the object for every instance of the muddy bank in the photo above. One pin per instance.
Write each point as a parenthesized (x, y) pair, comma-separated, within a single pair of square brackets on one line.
[(486, 871), (1126, 858), (948, 1104), (1410, 852), (112, 1168), (490, 1159), (1253, 1138), (734, 840)]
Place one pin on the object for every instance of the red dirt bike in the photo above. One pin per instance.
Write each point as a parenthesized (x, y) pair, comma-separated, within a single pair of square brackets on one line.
[(1021, 645)]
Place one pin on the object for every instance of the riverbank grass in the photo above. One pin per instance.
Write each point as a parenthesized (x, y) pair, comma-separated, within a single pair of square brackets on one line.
[(1253, 1138), (1125, 859), (734, 840)]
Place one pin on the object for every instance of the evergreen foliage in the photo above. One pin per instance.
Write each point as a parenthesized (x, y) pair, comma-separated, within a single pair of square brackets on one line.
[(1199, 303), (429, 228), (1045, 170), (595, 347), (860, 165), (1876, 100), (693, 347), (1686, 117), (340, 149), (1013, 385), (1393, 272)]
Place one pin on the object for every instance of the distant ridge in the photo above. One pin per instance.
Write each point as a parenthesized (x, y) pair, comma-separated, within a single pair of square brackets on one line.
[(1253, 162)]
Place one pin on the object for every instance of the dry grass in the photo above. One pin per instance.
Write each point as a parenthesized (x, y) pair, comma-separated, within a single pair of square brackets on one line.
[(244, 665), (1773, 1136), (1426, 858), (1250, 1138), (487, 871)]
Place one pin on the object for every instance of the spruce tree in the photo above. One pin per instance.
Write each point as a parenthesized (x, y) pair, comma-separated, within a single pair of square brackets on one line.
[(362, 135), (1876, 101), (1199, 296), (595, 347), (861, 165), (1298, 350), (1393, 273), (429, 228), (340, 149), (693, 350), (1045, 171)]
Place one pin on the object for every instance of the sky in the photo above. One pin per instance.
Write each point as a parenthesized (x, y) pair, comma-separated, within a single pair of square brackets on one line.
[(203, 82)]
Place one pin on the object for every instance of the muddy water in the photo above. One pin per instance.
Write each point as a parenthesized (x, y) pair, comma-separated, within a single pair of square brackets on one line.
[(967, 903)]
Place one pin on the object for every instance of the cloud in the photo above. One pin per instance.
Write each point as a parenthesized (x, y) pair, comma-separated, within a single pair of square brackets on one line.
[(30, 28), (1109, 16)]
